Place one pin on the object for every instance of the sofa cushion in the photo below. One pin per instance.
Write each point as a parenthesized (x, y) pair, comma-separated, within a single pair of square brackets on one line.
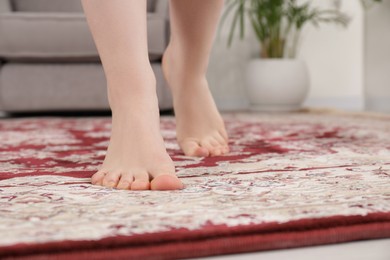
[(47, 5), (62, 86), (59, 86), (62, 35), (56, 5)]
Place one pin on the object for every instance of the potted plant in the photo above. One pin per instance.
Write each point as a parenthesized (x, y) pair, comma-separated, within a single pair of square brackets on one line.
[(277, 80)]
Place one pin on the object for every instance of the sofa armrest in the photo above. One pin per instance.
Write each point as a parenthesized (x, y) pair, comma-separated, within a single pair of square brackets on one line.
[(5, 6)]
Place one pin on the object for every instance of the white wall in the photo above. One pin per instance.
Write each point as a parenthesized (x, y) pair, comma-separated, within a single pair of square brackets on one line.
[(226, 70), (377, 57), (334, 57)]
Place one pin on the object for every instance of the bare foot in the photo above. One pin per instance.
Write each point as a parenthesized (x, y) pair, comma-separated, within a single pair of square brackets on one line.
[(200, 127), (136, 158)]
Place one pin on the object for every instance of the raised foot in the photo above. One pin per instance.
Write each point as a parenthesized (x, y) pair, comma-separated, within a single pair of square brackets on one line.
[(200, 128)]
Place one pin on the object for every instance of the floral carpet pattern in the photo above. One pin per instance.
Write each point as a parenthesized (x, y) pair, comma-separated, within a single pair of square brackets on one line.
[(282, 169)]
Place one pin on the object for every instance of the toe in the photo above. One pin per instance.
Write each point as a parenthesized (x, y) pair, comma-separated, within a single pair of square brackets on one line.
[(220, 139), (111, 179), (225, 149), (125, 181), (223, 145), (192, 148), (141, 181), (211, 145), (97, 178), (166, 182), (201, 152), (140, 185), (224, 134), (217, 151)]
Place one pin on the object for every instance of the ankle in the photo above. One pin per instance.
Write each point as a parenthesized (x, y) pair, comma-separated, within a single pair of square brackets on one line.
[(135, 76), (131, 88), (183, 64)]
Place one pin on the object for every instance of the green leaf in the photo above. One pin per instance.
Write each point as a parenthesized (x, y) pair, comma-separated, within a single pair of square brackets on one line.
[(233, 26)]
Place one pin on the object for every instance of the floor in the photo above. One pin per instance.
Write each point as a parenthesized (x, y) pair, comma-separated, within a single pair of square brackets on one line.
[(361, 250)]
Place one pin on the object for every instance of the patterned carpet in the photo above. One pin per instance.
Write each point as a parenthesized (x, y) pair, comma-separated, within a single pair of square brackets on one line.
[(290, 180)]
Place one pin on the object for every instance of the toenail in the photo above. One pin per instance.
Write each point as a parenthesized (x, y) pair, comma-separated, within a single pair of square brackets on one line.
[(96, 183), (111, 183), (123, 184)]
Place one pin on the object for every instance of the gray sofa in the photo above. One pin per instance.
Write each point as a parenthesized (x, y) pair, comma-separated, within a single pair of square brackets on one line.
[(49, 62)]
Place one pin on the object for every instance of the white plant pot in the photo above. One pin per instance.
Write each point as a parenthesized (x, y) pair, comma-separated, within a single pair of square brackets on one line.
[(277, 84)]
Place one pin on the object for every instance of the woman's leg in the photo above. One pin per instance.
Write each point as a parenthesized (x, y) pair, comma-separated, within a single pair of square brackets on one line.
[(200, 128), (136, 157)]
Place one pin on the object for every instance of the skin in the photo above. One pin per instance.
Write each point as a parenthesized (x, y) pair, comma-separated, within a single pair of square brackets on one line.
[(119, 31)]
